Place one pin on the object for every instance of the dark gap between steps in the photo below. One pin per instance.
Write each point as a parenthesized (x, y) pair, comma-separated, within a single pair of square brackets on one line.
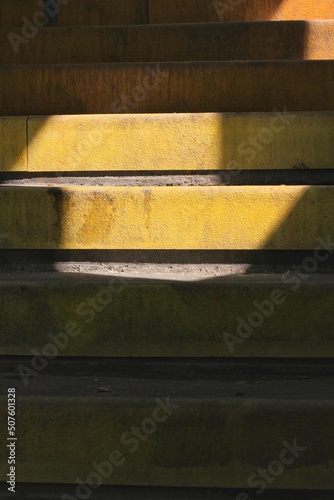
[(175, 178), (225, 369), (54, 491), (251, 261)]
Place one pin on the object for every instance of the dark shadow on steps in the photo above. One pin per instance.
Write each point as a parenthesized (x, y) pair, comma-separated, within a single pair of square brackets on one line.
[(54, 492), (224, 11)]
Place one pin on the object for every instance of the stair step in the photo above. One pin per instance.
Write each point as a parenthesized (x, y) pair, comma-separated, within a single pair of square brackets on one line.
[(28, 14), (168, 142), (197, 11), (12, 11), (191, 433), (176, 87), (13, 147), (183, 313), (188, 42), (166, 218), (167, 377), (54, 492), (103, 12)]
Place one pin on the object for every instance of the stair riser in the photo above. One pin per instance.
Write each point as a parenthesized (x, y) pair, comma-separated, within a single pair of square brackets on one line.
[(190, 434), (113, 12), (293, 40), (178, 87), (261, 141), (245, 317), (166, 218), (23, 13), (197, 11)]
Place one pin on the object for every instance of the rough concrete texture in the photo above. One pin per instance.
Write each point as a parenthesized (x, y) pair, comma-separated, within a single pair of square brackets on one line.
[(210, 141), (204, 434), (236, 10), (168, 314), (181, 87), (73, 13), (167, 218), (293, 40), (54, 492)]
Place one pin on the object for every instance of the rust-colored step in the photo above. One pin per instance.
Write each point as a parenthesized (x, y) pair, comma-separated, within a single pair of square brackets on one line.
[(197, 11), (167, 87), (187, 42), (31, 15)]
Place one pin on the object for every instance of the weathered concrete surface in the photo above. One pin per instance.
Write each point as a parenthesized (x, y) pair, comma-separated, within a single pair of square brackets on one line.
[(208, 141), (216, 434), (12, 11), (167, 218), (13, 146), (167, 87), (23, 13), (54, 492), (282, 316), (295, 177), (103, 12), (113, 12), (188, 42), (213, 141)]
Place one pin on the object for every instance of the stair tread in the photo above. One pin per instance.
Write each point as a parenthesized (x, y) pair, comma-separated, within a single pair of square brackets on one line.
[(48, 387)]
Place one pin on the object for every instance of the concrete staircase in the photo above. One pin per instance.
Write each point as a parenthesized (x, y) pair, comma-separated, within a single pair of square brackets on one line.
[(166, 248)]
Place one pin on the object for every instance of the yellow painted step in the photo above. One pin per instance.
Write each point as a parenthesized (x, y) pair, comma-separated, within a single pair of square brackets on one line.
[(196, 11), (249, 316), (186, 42), (216, 141), (103, 430), (167, 87), (247, 217), (13, 144), (31, 15)]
